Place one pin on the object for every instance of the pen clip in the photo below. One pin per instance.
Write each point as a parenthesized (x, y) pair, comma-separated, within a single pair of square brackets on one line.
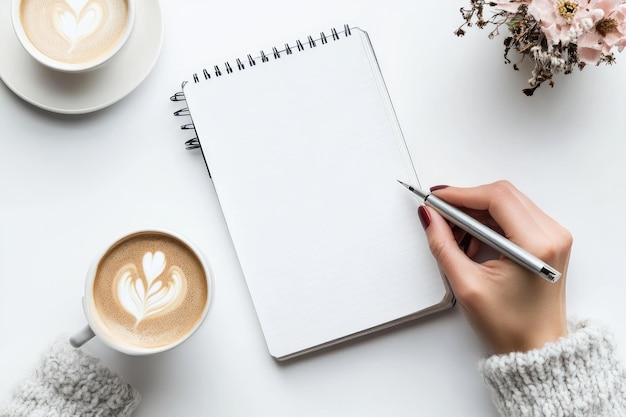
[(550, 273)]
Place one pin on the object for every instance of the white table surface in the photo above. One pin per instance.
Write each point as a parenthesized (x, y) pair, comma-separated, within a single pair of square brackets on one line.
[(69, 185)]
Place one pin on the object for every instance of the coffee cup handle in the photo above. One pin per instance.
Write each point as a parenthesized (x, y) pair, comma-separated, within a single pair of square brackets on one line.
[(82, 337)]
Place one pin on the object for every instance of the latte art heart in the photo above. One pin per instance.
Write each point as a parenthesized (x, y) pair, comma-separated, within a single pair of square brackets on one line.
[(152, 293), (78, 21)]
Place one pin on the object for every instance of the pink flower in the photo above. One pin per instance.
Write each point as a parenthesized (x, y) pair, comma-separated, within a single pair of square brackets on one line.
[(608, 30), (560, 20)]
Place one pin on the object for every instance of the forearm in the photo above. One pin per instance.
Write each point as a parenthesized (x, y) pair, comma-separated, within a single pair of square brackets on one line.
[(579, 375)]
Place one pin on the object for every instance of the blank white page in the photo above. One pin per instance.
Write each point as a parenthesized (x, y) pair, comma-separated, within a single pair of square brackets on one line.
[(304, 152)]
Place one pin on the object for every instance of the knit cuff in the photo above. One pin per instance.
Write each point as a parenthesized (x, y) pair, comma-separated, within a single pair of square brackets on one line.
[(578, 375), (70, 383)]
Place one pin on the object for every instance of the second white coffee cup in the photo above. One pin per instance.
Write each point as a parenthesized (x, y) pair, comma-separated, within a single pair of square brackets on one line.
[(146, 293)]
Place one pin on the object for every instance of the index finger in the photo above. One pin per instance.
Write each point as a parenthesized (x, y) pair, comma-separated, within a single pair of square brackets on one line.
[(513, 211)]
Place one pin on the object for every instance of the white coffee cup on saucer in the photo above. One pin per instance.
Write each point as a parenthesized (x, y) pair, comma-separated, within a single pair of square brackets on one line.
[(146, 293), (73, 35)]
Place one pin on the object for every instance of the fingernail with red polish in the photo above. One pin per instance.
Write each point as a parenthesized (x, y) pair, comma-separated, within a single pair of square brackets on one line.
[(424, 216), (438, 187)]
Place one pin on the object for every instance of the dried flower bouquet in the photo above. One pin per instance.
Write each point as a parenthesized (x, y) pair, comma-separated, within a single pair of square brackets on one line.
[(558, 35)]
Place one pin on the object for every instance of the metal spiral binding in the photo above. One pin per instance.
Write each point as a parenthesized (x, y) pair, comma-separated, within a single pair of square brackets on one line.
[(194, 143)]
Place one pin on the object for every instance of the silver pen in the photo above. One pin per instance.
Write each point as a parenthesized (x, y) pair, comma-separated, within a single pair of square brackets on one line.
[(486, 235)]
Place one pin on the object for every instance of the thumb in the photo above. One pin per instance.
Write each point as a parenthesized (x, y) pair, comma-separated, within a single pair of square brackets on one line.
[(454, 263)]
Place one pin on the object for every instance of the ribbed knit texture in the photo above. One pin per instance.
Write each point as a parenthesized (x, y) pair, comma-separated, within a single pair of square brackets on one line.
[(579, 375), (70, 383)]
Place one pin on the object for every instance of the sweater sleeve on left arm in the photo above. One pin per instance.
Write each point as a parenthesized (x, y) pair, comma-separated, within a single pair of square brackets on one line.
[(70, 383)]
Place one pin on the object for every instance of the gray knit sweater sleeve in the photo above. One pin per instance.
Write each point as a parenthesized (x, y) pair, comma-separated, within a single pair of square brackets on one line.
[(577, 376), (70, 383)]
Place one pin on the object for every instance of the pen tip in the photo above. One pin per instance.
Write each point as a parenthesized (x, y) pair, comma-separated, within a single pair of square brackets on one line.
[(403, 183)]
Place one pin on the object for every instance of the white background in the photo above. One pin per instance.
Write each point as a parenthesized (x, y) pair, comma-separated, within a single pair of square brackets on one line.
[(69, 185)]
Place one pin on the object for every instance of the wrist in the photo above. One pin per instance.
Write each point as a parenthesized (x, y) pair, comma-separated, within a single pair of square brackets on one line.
[(533, 339)]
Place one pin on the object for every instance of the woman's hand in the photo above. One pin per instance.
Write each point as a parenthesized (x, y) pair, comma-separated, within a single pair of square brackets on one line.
[(511, 308)]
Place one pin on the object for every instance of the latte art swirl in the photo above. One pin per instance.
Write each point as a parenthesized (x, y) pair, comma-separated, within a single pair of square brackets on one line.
[(154, 293)]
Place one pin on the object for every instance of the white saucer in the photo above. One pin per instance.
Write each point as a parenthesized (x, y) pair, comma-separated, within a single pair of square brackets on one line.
[(84, 92)]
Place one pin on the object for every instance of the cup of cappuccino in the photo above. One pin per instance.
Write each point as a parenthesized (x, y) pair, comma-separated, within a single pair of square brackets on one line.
[(73, 35), (146, 293)]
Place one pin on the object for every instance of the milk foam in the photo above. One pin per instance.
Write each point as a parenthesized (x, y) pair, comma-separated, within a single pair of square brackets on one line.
[(153, 293)]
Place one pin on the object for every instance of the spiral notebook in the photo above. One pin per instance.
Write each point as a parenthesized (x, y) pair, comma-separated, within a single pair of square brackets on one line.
[(304, 150)]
